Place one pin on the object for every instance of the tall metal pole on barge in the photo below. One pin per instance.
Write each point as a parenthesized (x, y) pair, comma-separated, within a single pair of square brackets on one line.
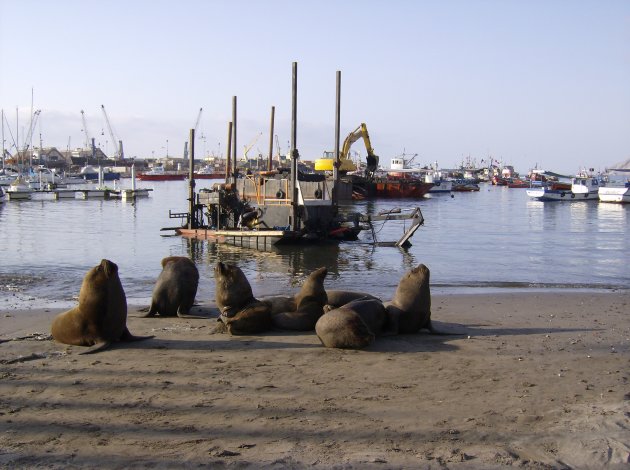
[(269, 161), (337, 129), (294, 153), (192, 220), (234, 169), (228, 155)]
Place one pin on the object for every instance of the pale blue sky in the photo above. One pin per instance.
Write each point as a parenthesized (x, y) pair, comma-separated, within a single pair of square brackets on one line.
[(528, 82)]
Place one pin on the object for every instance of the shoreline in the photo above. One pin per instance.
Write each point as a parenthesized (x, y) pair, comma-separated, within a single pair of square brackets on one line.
[(537, 380), (16, 301)]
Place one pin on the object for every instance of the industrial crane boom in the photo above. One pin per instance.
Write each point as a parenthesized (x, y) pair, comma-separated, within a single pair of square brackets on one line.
[(198, 119), (31, 128), (85, 130), (118, 151)]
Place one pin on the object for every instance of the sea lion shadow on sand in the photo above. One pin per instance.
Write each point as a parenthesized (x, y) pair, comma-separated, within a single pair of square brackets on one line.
[(239, 342), (474, 331), (198, 311), (100, 319)]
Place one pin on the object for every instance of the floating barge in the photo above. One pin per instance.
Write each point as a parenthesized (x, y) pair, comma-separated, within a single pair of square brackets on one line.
[(270, 208)]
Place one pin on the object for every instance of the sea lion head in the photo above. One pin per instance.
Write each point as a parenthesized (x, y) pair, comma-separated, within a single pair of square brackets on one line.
[(169, 259), (413, 289), (96, 279), (232, 288), (314, 286), (109, 268)]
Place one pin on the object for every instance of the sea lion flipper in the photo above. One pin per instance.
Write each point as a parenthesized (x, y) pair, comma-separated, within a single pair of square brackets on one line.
[(97, 348), (152, 311), (127, 336), (184, 312), (433, 331)]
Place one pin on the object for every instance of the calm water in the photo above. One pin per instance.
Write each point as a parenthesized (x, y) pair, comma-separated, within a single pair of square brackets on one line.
[(494, 239)]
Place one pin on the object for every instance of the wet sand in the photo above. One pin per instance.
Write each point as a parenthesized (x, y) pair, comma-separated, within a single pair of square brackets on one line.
[(537, 380)]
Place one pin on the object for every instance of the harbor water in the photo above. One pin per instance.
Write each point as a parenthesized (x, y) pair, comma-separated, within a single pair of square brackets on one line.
[(487, 241)]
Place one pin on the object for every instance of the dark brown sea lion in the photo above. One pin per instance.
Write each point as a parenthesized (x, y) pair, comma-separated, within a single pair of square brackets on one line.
[(410, 309), (101, 316), (337, 298), (175, 289), (241, 312), (309, 304), (352, 326)]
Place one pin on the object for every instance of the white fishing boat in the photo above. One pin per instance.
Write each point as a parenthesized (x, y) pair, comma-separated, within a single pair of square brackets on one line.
[(436, 178), (2, 195), (551, 191), (617, 188), (19, 190), (585, 187), (7, 176)]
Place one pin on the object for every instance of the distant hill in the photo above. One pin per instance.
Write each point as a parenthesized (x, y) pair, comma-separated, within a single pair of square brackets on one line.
[(622, 165)]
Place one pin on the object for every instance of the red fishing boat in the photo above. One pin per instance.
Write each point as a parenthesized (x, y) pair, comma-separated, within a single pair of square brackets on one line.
[(158, 173), (400, 187)]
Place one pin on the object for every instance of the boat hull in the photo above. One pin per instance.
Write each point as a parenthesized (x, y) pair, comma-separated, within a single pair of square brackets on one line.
[(209, 176), (545, 194), (614, 194), (260, 240), (398, 189), (164, 177)]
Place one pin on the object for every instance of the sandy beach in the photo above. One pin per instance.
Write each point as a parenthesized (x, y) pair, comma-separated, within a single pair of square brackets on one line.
[(536, 380)]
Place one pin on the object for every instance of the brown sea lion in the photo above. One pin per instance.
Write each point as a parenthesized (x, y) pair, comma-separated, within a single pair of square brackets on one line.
[(241, 312), (309, 304), (101, 316), (352, 326), (175, 289), (337, 298), (410, 309)]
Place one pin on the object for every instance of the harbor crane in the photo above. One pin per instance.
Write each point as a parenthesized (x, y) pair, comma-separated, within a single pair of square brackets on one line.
[(85, 130), (196, 127), (118, 145), (248, 147), (89, 142), (29, 135)]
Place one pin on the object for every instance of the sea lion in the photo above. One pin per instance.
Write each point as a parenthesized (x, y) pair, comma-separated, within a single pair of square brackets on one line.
[(352, 326), (309, 304), (337, 298), (410, 309), (241, 312), (101, 316), (175, 289)]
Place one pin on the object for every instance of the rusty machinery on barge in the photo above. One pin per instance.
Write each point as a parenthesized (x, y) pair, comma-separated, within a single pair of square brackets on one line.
[(277, 207)]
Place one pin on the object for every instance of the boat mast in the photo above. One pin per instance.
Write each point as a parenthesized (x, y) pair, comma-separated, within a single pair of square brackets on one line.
[(294, 152)]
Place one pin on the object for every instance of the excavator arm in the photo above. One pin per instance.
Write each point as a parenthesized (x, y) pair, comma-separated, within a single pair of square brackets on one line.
[(345, 163)]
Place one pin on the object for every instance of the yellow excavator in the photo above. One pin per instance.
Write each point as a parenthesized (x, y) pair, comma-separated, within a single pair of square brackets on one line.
[(346, 165)]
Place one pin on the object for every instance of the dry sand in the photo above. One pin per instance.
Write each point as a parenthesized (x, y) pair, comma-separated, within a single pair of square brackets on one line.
[(539, 380)]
